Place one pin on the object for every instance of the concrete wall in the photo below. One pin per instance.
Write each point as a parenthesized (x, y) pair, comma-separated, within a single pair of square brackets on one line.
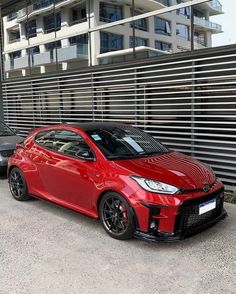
[(1, 103)]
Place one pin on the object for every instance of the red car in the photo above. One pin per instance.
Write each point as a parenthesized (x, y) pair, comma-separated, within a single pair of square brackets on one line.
[(120, 175)]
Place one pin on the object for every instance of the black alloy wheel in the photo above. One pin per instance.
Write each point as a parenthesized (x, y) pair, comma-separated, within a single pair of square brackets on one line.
[(17, 184), (116, 216)]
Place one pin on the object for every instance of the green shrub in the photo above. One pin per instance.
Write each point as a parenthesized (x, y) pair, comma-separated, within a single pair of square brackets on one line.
[(230, 197)]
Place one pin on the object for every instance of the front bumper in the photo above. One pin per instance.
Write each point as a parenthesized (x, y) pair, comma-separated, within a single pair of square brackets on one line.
[(179, 235), (3, 162), (177, 220), (4, 157)]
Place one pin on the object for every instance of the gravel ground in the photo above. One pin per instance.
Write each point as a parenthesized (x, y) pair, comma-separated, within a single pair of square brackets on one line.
[(48, 249)]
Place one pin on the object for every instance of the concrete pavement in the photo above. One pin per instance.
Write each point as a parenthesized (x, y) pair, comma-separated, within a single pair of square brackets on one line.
[(48, 249)]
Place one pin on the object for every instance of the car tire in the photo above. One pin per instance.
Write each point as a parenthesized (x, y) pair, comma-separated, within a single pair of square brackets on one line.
[(116, 216), (17, 184)]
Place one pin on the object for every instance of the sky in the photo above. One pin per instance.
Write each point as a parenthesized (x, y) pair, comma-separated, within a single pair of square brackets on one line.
[(228, 21)]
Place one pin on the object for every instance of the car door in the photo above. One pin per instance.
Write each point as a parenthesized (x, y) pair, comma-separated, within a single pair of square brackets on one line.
[(67, 168)]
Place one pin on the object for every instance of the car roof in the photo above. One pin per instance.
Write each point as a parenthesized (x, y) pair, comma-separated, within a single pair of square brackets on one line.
[(97, 125)]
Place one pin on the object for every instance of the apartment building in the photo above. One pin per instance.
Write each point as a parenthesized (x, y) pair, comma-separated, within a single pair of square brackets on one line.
[(52, 35)]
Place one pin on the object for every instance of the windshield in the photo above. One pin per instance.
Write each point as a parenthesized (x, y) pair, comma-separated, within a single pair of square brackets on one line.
[(125, 142), (5, 131)]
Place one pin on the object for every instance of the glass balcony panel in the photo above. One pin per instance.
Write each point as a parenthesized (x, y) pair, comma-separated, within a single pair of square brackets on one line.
[(42, 58), (21, 62), (206, 23)]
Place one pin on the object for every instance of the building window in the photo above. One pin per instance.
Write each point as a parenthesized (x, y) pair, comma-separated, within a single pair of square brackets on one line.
[(14, 35), (182, 31), (163, 46), (110, 42), (53, 45), (110, 12), (138, 42), (12, 15), (162, 26), (165, 2), (31, 29), (200, 38), (81, 42), (184, 12), (51, 48), (13, 56), (31, 52), (78, 14), (45, 3), (52, 23), (140, 24)]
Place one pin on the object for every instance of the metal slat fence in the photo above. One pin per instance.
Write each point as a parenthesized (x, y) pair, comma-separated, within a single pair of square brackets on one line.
[(188, 101)]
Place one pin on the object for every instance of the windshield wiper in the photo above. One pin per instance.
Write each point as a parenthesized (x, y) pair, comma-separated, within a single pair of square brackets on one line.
[(152, 153), (121, 156)]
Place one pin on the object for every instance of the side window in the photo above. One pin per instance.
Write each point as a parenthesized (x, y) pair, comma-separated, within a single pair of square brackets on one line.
[(72, 144), (45, 139)]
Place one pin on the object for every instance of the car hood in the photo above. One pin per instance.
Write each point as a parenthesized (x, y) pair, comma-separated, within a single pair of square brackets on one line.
[(9, 142), (172, 168)]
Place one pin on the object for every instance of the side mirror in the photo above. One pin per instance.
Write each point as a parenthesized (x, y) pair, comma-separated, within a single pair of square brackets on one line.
[(86, 155), (20, 145)]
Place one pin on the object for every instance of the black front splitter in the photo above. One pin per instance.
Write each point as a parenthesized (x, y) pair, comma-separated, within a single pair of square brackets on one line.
[(173, 237)]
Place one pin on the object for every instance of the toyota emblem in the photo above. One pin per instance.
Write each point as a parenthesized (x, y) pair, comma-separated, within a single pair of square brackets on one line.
[(206, 188)]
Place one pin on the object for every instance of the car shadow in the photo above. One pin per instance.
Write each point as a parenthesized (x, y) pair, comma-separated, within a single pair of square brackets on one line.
[(95, 228), (3, 175)]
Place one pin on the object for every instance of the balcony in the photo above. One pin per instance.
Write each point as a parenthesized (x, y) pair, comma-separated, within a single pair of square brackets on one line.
[(43, 58), (77, 51), (215, 4), (8, 65), (213, 27), (44, 3), (163, 2), (41, 7), (214, 7), (17, 63), (21, 62)]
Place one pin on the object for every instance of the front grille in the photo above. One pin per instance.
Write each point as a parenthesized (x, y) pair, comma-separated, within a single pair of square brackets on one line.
[(6, 153), (188, 217)]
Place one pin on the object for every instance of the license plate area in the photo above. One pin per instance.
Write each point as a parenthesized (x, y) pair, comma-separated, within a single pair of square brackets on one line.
[(207, 206)]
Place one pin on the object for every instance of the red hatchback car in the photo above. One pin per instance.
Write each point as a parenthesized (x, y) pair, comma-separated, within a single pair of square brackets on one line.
[(120, 175)]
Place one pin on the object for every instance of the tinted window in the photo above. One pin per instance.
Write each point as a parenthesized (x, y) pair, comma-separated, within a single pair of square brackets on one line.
[(5, 131), (72, 144), (125, 142), (65, 142), (45, 139)]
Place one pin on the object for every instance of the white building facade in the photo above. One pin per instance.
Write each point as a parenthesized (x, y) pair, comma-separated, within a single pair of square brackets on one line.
[(52, 35)]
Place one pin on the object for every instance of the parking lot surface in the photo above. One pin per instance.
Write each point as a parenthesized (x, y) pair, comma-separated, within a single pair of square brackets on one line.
[(48, 249)]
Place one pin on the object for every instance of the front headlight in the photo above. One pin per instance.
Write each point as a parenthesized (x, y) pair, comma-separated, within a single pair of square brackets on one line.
[(155, 186)]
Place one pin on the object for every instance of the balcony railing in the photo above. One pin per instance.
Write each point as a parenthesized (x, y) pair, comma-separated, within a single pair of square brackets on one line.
[(34, 8), (76, 51), (215, 4), (44, 3), (163, 2), (42, 58), (207, 24), (16, 63)]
